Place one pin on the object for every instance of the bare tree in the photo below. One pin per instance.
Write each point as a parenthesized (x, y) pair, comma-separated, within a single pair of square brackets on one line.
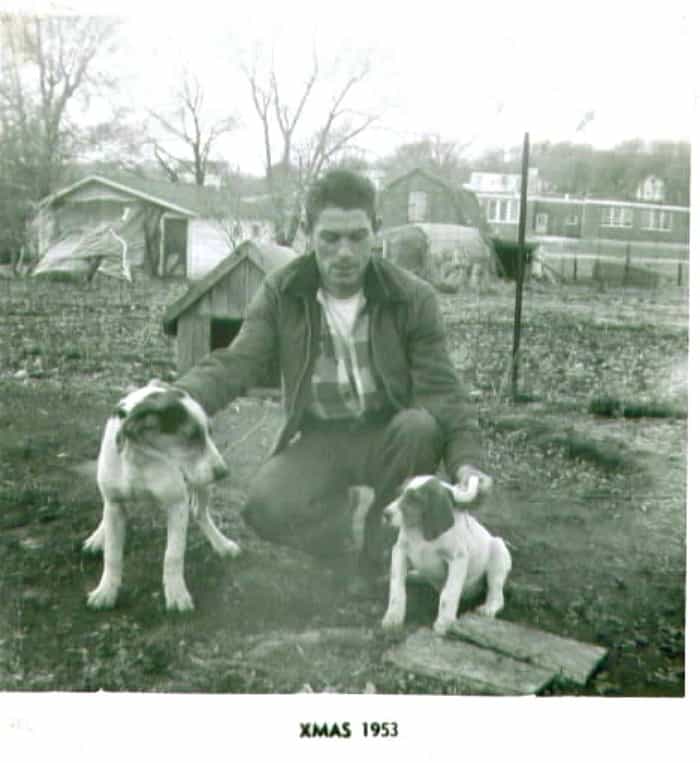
[(302, 155), (49, 67), (189, 126), (119, 144), (47, 63), (434, 153)]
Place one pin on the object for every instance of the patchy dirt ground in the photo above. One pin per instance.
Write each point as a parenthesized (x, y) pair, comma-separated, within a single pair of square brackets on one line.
[(594, 508)]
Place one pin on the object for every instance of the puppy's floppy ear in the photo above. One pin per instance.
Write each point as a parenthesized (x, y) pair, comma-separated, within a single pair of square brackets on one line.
[(161, 411), (437, 514)]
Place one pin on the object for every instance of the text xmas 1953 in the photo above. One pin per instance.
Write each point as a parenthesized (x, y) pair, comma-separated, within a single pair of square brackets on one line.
[(345, 730)]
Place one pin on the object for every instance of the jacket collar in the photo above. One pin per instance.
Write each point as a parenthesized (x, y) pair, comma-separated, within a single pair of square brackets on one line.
[(304, 280)]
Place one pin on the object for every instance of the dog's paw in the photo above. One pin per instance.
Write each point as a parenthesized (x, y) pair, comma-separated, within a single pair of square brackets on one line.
[(489, 608), (103, 597), (177, 598), (442, 625), (392, 620)]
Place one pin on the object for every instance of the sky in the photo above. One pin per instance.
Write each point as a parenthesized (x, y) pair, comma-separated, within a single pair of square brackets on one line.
[(478, 74)]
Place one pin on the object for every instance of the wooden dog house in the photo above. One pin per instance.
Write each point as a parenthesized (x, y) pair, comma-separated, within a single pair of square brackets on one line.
[(210, 314)]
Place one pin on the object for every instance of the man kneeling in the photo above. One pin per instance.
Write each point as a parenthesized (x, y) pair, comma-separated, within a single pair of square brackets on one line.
[(371, 395)]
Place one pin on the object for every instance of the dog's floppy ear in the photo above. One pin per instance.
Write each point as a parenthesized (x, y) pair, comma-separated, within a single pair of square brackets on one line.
[(437, 516), (161, 411)]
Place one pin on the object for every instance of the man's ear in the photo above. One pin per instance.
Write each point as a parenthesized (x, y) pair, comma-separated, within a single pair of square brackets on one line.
[(437, 515)]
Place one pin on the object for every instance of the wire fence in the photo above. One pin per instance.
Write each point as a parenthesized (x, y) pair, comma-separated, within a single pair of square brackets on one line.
[(617, 263)]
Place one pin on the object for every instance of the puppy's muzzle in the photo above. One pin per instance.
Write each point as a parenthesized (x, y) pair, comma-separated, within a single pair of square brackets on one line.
[(390, 514)]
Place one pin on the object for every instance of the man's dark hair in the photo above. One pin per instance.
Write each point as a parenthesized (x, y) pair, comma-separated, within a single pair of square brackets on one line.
[(343, 189)]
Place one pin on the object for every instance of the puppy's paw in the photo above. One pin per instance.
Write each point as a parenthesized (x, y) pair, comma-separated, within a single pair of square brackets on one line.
[(177, 598), (392, 620), (103, 597), (442, 625)]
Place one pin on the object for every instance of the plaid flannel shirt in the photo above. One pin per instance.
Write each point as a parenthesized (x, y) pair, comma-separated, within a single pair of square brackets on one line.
[(343, 384)]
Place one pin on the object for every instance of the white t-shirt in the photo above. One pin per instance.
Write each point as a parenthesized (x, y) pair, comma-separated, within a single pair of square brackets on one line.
[(343, 312)]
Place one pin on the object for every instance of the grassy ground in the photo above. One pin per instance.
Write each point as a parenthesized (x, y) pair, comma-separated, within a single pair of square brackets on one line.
[(593, 507)]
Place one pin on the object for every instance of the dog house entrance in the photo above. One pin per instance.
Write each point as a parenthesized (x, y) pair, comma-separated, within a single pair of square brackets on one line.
[(223, 332)]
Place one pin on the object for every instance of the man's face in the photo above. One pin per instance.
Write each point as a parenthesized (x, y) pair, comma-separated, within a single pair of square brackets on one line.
[(342, 241)]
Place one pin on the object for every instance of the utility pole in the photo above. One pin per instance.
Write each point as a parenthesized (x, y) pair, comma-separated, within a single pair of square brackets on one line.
[(520, 268)]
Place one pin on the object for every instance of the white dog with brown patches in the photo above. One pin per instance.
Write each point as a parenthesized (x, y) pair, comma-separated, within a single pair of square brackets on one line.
[(156, 444), (446, 547)]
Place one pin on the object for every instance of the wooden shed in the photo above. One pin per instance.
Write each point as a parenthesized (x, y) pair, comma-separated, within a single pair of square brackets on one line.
[(420, 197), (210, 314), (168, 229)]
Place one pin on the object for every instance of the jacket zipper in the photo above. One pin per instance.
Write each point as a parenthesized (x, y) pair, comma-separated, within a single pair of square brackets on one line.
[(307, 358), (377, 365)]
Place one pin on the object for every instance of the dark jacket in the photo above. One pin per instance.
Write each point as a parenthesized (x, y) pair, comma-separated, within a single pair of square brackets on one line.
[(407, 343)]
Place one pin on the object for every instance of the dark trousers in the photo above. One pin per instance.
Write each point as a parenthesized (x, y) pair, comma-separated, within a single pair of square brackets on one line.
[(300, 497)]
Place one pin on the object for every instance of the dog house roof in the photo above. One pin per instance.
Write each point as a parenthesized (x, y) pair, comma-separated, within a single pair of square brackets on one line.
[(265, 256)]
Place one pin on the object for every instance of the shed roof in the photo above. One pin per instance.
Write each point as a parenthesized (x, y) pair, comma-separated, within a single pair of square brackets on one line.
[(185, 198), (420, 171), (266, 256)]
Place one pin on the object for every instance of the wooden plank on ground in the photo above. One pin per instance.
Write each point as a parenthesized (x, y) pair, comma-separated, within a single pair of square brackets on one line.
[(477, 670), (573, 660)]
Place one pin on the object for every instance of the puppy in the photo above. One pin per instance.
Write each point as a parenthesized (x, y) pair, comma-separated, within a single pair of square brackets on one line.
[(447, 547), (156, 444)]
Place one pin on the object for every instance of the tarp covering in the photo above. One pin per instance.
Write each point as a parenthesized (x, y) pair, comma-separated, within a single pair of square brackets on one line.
[(447, 256), (508, 253), (108, 248)]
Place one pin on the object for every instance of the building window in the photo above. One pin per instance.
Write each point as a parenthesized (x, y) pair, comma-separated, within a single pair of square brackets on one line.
[(417, 206), (541, 222), (502, 210), (656, 219), (616, 217), (652, 189), (571, 220)]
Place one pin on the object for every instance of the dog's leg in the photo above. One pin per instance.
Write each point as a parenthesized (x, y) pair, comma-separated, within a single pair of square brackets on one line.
[(110, 537), (451, 593), (176, 594), (499, 565), (396, 610), (361, 497), (219, 542), (96, 542)]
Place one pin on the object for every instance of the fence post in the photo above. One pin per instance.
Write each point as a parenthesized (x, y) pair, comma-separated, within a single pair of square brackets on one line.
[(520, 274), (625, 276), (575, 267)]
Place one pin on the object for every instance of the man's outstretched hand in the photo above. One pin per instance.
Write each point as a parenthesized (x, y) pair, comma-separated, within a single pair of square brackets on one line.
[(464, 475)]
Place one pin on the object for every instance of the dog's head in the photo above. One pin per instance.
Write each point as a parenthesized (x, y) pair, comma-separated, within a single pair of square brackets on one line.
[(166, 422), (424, 503)]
